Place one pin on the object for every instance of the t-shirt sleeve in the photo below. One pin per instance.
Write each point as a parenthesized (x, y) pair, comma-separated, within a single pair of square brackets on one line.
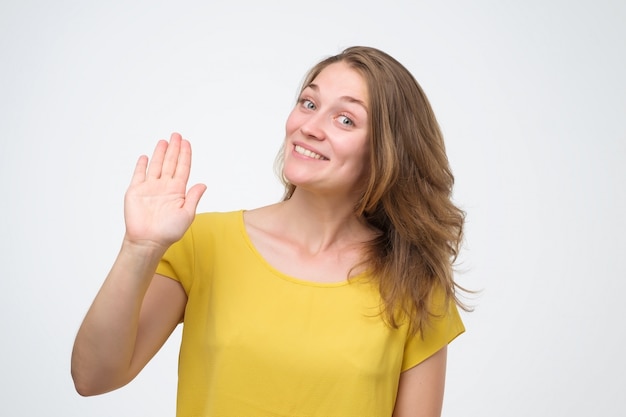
[(178, 262), (445, 325)]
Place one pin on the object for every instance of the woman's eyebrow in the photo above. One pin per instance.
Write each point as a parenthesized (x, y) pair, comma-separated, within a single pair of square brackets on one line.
[(350, 99)]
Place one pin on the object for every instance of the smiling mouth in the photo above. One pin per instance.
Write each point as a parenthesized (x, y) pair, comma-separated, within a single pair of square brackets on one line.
[(299, 149)]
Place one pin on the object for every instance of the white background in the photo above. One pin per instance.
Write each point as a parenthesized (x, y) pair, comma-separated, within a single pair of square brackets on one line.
[(531, 96)]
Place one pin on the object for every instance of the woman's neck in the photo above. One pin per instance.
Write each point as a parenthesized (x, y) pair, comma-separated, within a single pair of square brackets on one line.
[(318, 224)]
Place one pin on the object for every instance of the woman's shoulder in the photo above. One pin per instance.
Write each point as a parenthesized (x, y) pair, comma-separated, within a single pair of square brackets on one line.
[(217, 216), (261, 214), (216, 221), (261, 218)]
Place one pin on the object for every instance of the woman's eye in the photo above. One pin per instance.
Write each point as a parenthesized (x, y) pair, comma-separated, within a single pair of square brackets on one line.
[(346, 121), (308, 104)]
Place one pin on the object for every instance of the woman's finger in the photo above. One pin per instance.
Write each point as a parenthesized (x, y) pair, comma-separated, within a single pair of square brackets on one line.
[(193, 197), (184, 162), (171, 156), (139, 175), (156, 162)]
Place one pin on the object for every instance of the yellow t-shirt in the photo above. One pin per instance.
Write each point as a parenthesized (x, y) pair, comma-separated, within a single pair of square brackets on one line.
[(259, 343)]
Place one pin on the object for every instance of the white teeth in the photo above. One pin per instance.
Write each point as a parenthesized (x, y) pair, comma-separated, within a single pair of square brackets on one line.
[(306, 152)]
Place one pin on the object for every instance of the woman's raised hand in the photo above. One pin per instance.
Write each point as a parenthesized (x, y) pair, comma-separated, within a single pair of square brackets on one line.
[(158, 209)]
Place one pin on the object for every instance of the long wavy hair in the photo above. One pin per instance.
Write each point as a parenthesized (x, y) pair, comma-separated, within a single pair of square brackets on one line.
[(408, 194)]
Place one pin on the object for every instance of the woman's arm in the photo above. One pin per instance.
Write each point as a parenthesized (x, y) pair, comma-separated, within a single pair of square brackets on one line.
[(420, 392), (135, 311), (122, 332)]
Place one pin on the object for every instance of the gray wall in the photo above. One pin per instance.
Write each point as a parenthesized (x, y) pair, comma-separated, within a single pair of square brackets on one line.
[(531, 98)]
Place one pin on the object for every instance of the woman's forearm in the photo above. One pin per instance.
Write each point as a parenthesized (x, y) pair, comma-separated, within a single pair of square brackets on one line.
[(102, 358)]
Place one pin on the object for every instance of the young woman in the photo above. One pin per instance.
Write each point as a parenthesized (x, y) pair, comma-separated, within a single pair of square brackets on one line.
[(337, 301)]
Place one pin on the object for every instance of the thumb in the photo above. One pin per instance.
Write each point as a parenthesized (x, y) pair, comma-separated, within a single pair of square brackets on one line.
[(193, 197)]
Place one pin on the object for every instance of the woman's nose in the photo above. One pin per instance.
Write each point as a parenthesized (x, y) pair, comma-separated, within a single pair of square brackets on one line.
[(314, 127)]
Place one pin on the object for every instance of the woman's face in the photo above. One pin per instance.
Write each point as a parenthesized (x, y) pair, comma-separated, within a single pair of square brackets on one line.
[(326, 144)]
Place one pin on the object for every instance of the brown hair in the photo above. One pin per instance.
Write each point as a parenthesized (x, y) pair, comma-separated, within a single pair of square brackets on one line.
[(408, 193)]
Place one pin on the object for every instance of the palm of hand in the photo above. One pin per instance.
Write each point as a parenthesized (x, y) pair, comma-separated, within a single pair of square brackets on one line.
[(157, 207)]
